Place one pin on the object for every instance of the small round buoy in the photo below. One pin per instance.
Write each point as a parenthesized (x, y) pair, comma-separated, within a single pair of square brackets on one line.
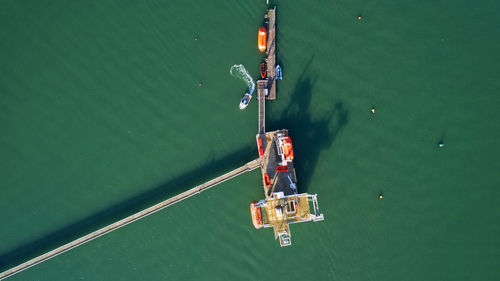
[(200, 84), (372, 110), (441, 144), (196, 39), (380, 196), (359, 17)]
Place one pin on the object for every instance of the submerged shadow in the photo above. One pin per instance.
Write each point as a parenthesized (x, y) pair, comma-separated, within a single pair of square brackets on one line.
[(310, 134), (109, 215)]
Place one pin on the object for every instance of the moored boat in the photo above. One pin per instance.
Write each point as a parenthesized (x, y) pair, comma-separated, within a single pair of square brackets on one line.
[(267, 181), (263, 70), (279, 75), (245, 100), (256, 214), (262, 39), (287, 148), (284, 148)]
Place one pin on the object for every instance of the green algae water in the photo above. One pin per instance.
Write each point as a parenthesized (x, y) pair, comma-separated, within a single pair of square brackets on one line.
[(101, 114)]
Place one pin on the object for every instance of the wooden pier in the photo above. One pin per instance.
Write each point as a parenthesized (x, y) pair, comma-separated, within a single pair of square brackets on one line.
[(262, 105), (284, 181), (283, 205), (271, 54), (268, 86), (252, 165)]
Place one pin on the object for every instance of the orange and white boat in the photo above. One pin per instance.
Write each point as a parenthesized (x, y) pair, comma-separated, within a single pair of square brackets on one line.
[(262, 41), (284, 148), (256, 215), (287, 148)]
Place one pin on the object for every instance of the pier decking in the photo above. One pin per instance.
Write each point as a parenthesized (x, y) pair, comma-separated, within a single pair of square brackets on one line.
[(280, 181), (268, 86), (252, 165), (283, 205), (271, 54), (262, 106), (280, 211)]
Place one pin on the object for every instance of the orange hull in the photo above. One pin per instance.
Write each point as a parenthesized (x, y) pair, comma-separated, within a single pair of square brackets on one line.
[(256, 216), (261, 150), (280, 169), (262, 41), (288, 148), (267, 181)]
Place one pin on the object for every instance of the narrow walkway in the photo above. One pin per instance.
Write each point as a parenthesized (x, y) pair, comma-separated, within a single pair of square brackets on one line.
[(271, 54), (262, 111), (252, 165)]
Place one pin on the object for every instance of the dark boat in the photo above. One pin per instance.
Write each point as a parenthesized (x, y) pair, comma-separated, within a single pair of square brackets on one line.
[(263, 69)]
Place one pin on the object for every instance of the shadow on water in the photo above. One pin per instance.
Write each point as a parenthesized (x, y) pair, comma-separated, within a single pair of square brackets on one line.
[(310, 134), (210, 169)]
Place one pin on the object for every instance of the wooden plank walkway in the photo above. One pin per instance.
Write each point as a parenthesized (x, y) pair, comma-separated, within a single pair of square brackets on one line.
[(262, 107), (139, 215), (271, 54)]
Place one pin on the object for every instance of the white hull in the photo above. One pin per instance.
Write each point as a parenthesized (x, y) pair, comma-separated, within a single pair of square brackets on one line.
[(279, 74), (245, 101)]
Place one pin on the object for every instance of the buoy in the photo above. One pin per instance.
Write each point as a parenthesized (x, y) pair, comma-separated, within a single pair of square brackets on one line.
[(380, 196), (200, 84), (441, 144), (372, 110), (359, 17), (196, 39)]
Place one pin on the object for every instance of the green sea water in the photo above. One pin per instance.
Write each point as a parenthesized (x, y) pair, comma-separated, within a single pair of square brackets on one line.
[(101, 114)]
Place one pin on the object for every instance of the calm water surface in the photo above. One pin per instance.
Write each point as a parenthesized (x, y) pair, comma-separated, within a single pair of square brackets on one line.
[(101, 115)]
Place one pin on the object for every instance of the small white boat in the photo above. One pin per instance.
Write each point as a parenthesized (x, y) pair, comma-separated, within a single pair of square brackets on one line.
[(245, 100), (279, 75)]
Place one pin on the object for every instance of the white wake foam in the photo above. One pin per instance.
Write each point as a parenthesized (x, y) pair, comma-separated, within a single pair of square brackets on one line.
[(239, 71)]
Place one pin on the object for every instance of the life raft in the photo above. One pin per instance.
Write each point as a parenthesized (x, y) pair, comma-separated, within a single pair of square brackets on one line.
[(262, 39), (256, 214)]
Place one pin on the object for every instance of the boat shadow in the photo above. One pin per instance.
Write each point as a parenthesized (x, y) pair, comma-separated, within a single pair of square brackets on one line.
[(311, 131), (210, 169)]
